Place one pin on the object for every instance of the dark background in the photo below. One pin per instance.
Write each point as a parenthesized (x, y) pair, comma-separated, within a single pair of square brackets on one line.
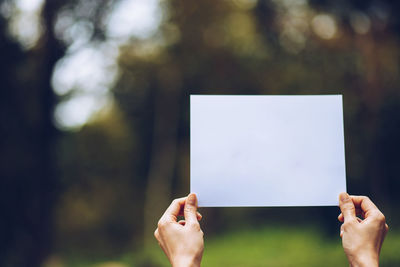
[(76, 195)]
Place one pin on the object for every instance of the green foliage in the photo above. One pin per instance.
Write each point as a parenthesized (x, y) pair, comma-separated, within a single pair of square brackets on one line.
[(128, 166), (85, 194), (255, 247), (275, 247)]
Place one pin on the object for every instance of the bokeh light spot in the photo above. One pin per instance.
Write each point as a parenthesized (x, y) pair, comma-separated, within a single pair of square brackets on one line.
[(324, 25)]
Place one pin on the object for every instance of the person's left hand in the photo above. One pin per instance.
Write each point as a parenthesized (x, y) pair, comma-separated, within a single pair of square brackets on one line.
[(181, 241)]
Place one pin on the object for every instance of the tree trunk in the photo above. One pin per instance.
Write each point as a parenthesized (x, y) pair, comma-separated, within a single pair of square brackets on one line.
[(28, 181), (163, 155)]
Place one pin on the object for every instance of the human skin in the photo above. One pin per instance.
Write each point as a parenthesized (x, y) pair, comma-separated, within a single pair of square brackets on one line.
[(361, 238), (182, 241)]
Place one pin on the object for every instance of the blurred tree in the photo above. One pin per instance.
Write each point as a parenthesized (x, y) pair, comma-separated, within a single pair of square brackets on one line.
[(128, 164), (248, 47), (28, 184), (29, 181), (371, 29), (97, 164)]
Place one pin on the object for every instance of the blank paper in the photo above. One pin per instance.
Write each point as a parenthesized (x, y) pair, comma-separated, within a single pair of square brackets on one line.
[(267, 150)]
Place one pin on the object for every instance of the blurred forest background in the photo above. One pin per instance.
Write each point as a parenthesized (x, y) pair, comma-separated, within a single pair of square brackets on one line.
[(94, 117)]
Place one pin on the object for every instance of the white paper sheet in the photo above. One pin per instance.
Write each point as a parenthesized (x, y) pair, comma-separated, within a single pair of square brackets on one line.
[(267, 150)]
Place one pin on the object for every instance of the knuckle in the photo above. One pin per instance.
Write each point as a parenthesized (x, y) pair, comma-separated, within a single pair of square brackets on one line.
[(380, 217), (156, 233), (189, 210), (195, 226), (347, 224), (347, 207), (189, 207), (161, 224)]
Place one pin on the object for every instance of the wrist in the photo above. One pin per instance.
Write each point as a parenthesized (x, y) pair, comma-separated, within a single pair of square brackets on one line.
[(368, 260), (186, 262)]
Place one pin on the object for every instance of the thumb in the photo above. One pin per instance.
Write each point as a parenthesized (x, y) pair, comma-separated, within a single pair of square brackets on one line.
[(347, 206), (190, 210)]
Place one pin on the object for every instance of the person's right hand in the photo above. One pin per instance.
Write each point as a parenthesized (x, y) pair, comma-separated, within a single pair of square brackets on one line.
[(362, 239)]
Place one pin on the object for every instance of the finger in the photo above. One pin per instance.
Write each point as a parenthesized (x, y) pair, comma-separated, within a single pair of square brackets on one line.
[(347, 207), (199, 216), (156, 234), (190, 210), (359, 212), (182, 222), (341, 230), (365, 204), (172, 212)]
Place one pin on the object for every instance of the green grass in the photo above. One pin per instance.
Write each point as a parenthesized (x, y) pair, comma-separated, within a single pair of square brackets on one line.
[(269, 246), (273, 246), (280, 246)]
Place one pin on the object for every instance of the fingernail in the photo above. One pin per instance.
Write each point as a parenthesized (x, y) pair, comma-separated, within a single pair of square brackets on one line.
[(191, 199), (344, 197)]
